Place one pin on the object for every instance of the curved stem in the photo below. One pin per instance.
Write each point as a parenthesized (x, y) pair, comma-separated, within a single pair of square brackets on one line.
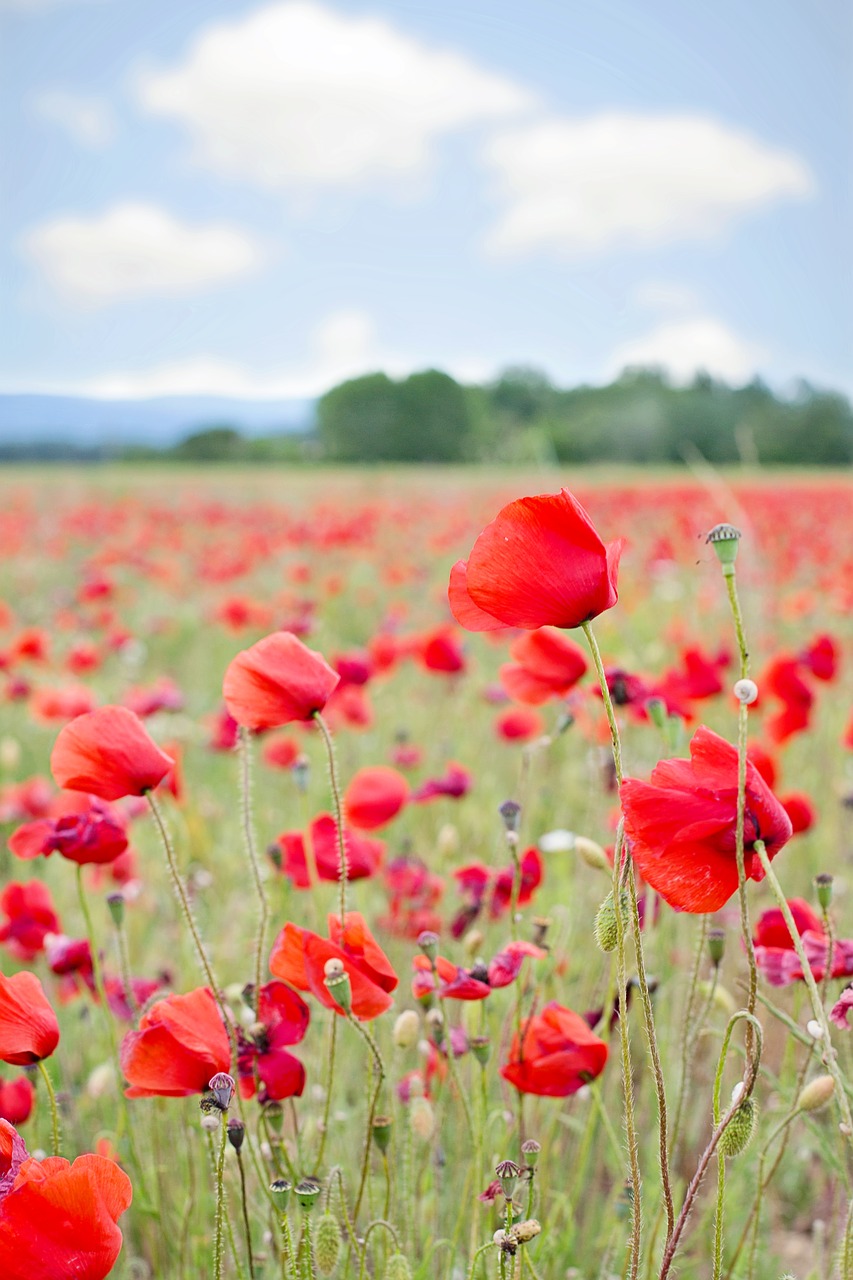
[(252, 853), (343, 865), (380, 1076), (56, 1138)]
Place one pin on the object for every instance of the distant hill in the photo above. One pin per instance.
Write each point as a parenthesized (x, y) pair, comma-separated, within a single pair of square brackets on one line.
[(157, 423)]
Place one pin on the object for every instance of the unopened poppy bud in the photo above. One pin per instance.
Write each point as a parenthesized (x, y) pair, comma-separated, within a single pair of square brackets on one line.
[(592, 854), (816, 1094), (656, 711), (739, 1132), (280, 1191), (327, 1244), (724, 538), (716, 946), (606, 927), (746, 691), (115, 902), (473, 941), (481, 1047), (510, 813), (307, 1193), (222, 1087), (530, 1150), (526, 1231), (422, 1118), (236, 1133), (339, 987), (823, 886), (397, 1268), (406, 1029), (210, 1121), (382, 1132), (507, 1175), (428, 943)]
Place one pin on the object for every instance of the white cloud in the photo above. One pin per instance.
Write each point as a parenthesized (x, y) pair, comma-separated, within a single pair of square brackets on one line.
[(580, 186), (89, 121), (692, 345), (666, 295), (136, 250), (296, 94)]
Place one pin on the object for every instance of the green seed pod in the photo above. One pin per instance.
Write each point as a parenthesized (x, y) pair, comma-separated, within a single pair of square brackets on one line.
[(327, 1244), (739, 1132), (397, 1268), (606, 928)]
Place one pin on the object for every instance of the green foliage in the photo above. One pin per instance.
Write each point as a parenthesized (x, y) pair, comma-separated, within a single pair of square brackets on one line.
[(425, 418)]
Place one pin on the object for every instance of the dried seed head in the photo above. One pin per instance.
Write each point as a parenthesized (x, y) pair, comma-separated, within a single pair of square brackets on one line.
[(526, 1231), (222, 1087)]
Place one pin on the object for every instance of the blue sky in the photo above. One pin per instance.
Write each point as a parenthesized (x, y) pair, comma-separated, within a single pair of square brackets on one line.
[(262, 199)]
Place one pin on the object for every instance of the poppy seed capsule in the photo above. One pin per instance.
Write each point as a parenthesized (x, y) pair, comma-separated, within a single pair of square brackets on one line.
[(823, 887), (507, 1175), (382, 1132), (339, 987), (724, 538), (406, 1029), (115, 902), (739, 1132), (816, 1094), (530, 1150), (306, 1193), (716, 946), (280, 1191), (428, 943)]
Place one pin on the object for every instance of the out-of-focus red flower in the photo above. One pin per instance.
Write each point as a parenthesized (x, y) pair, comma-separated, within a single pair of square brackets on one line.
[(774, 947), (20, 801), (349, 706), (277, 681), (764, 763), (556, 1055), (58, 1219), (354, 667), (800, 810), (455, 783), (491, 888), (413, 894), (263, 1060), (30, 917), (84, 830), (49, 706), (180, 1045), (71, 960), (547, 665), (16, 1100), (162, 695), (364, 855), (821, 658), (28, 1027), (82, 658), (281, 751), (698, 676), (223, 731), (783, 680), (681, 824), (30, 645), (454, 982), (299, 958), (375, 795), (539, 563), (441, 650), (519, 724), (109, 754), (239, 612)]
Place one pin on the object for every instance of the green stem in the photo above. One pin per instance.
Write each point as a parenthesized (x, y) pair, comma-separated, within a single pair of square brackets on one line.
[(368, 1138), (327, 1105), (97, 971), (252, 854), (343, 865), (246, 1224), (220, 1205), (56, 1140)]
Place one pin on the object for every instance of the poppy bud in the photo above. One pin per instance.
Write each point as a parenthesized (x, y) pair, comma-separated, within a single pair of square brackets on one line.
[(280, 1191), (307, 1192), (716, 946), (274, 1115), (606, 927), (656, 711), (739, 1132), (398, 1268), (823, 886), (507, 1175), (406, 1029), (422, 1118), (327, 1244), (428, 943), (274, 854), (382, 1132), (473, 941), (724, 538), (236, 1133), (115, 902), (816, 1094)]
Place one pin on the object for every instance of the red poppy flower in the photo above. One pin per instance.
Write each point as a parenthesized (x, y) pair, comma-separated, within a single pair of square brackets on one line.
[(455, 783), (440, 650), (28, 1027), (783, 680), (281, 752), (821, 658), (681, 824), (800, 810), (539, 563), (83, 830), (16, 1100), (774, 947), (413, 893), (30, 917), (454, 983), (547, 665), (299, 958), (556, 1055), (162, 695), (108, 754), (263, 1060), (59, 1219), (519, 724), (364, 855), (181, 1043), (277, 681), (374, 796), (491, 887), (49, 705)]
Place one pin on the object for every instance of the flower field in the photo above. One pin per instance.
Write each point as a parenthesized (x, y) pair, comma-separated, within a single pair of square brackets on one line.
[(425, 875)]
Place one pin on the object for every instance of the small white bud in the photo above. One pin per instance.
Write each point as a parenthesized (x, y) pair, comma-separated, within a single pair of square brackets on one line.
[(210, 1123), (746, 691), (814, 1029)]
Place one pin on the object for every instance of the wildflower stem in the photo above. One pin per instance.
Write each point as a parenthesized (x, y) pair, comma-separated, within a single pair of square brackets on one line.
[(327, 1105), (343, 866), (246, 1224), (368, 1137), (56, 1140), (252, 854), (220, 1205)]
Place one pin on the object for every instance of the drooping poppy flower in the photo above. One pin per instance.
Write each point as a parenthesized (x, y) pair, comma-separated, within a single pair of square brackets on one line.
[(30, 917), (774, 947), (263, 1060), (71, 960), (108, 754), (299, 958), (375, 795), (546, 665), (539, 563), (181, 1043), (16, 1100), (364, 855), (276, 681), (59, 1219), (556, 1055), (82, 829), (681, 824), (29, 1031)]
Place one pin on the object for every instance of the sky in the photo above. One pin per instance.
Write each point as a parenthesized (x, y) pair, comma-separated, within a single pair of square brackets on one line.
[(259, 200)]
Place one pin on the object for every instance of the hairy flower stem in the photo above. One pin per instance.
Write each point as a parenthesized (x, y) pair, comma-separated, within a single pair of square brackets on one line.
[(56, 1137), (645, 995), (245, 1204), (327, 1104), (220, 1203), (371, 1112), (252, 854), (343, 866)]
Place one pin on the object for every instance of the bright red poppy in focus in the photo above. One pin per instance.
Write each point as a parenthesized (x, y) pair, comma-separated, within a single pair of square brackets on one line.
[(109, 754), (29, 1031), (556, 1055), (299, 958), (277, 681), (181, 1043), (57, 1219), (539, 563), (681, 824)]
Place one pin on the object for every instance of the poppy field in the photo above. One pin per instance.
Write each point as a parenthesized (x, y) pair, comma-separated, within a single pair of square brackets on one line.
[(426, 876)]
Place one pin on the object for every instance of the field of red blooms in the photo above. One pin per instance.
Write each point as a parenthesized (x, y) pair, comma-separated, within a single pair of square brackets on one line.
[(425, 875)]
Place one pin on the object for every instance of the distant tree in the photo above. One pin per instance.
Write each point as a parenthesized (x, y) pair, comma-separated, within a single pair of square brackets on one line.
[(426, 418), (213, 444)]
